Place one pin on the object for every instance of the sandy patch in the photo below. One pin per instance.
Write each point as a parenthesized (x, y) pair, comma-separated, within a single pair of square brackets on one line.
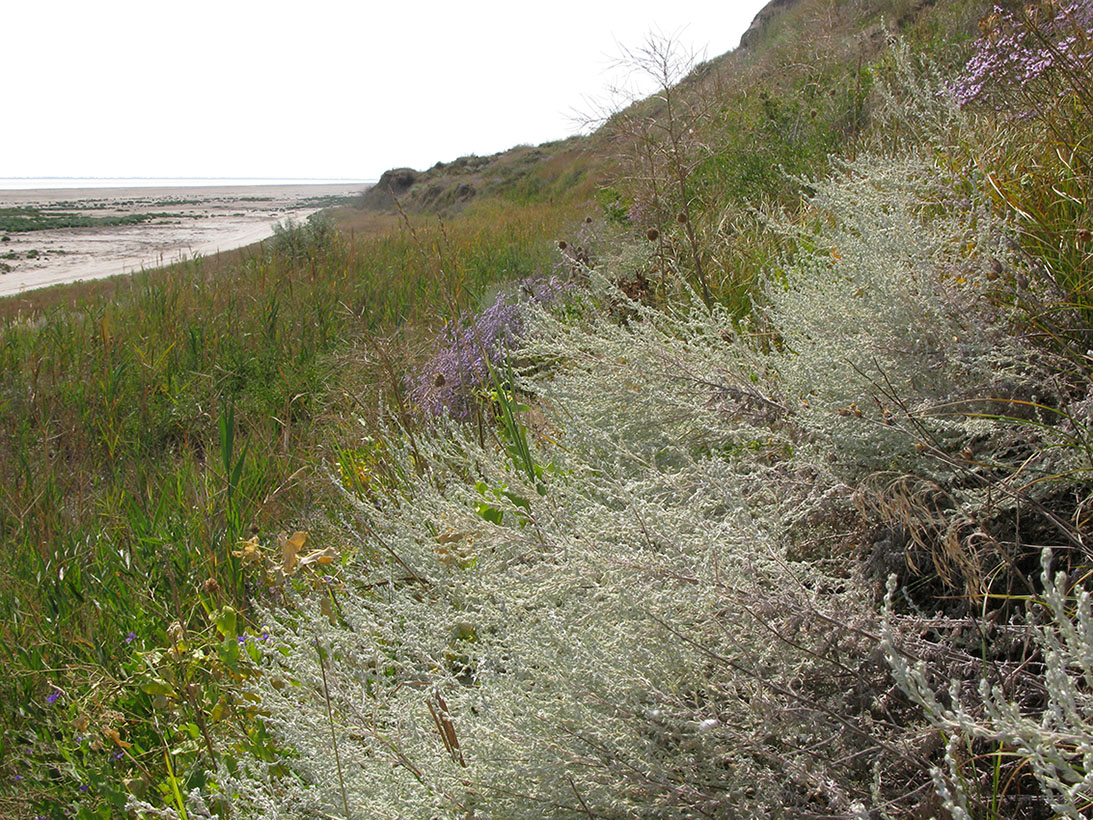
[(186, 222)]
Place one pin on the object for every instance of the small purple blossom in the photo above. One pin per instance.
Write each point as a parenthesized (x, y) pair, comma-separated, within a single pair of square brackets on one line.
[(1047, 42), (85, 786), (470, 347), (132, 636), (52, 698), (242, 639)]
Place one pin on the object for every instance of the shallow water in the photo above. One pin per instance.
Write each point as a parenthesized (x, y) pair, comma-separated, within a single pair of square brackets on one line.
[(192, 218)]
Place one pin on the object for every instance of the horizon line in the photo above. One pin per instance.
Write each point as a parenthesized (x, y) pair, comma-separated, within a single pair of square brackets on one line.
[(320, 179)]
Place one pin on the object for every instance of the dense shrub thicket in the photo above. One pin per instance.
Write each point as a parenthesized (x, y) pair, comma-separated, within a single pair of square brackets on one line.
[(828, 560)]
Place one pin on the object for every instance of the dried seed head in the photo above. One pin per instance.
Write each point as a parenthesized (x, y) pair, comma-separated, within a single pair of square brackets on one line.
[(439, 381), (681, 217), (652, 234), (588, 220), (562, 244)]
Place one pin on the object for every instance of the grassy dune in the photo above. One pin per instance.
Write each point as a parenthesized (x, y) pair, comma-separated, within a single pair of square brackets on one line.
[(742, 515)]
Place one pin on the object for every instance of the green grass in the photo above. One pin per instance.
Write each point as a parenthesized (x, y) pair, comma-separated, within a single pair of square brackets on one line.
[(22, 220), (147, 425)]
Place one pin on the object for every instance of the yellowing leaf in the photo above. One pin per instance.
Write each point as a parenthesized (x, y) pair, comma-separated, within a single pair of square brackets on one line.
[(290, 551), (112, 734), (451, 537), (157, 687), (249, 550)]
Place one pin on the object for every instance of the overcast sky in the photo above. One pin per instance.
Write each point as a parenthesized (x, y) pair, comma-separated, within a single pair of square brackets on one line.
[(314, 89)]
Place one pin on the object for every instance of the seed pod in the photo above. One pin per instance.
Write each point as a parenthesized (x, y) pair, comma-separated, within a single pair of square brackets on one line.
[(652, 234), (681, 217)]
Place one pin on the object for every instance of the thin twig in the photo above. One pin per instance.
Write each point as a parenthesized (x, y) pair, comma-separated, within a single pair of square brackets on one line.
[(333, 736)]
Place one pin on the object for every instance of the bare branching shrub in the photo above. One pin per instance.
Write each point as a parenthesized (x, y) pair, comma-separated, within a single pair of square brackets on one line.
[(660, 143)]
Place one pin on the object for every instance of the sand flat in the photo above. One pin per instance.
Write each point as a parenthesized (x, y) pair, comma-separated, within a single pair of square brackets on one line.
[(188, 222)]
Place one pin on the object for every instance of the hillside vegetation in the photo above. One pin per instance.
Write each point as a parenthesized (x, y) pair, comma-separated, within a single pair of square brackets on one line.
[(731, 461)]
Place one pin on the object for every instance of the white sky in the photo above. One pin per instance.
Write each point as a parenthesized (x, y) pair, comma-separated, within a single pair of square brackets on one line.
[(313, 88)]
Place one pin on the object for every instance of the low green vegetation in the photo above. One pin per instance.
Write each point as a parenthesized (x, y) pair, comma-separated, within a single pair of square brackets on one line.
[(147, 429), (21, 220), (734, 465)]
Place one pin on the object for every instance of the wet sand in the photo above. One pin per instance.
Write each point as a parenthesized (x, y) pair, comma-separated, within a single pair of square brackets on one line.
[(188, 222)]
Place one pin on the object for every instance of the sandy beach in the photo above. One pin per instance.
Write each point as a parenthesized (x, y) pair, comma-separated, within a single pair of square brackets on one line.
[(180, 223)]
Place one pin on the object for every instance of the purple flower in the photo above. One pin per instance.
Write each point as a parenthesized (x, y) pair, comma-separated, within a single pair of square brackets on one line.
[(56, 693), (1019, 50), (469, 348), (130, 637), (242, 639), (85, 786)]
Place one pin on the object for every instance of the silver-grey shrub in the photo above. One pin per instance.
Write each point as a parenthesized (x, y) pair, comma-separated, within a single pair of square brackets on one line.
[(639, 636), (881, 319), (632, 642), (1054, 737)]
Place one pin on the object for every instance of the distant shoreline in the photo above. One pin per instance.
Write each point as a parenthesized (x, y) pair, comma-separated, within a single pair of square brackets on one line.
[(96, 183), (132, 227)]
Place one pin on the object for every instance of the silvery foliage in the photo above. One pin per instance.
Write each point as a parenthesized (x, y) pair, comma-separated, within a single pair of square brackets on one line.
[(883, 309), (1055, 738), (633, 639), (634, 642)]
